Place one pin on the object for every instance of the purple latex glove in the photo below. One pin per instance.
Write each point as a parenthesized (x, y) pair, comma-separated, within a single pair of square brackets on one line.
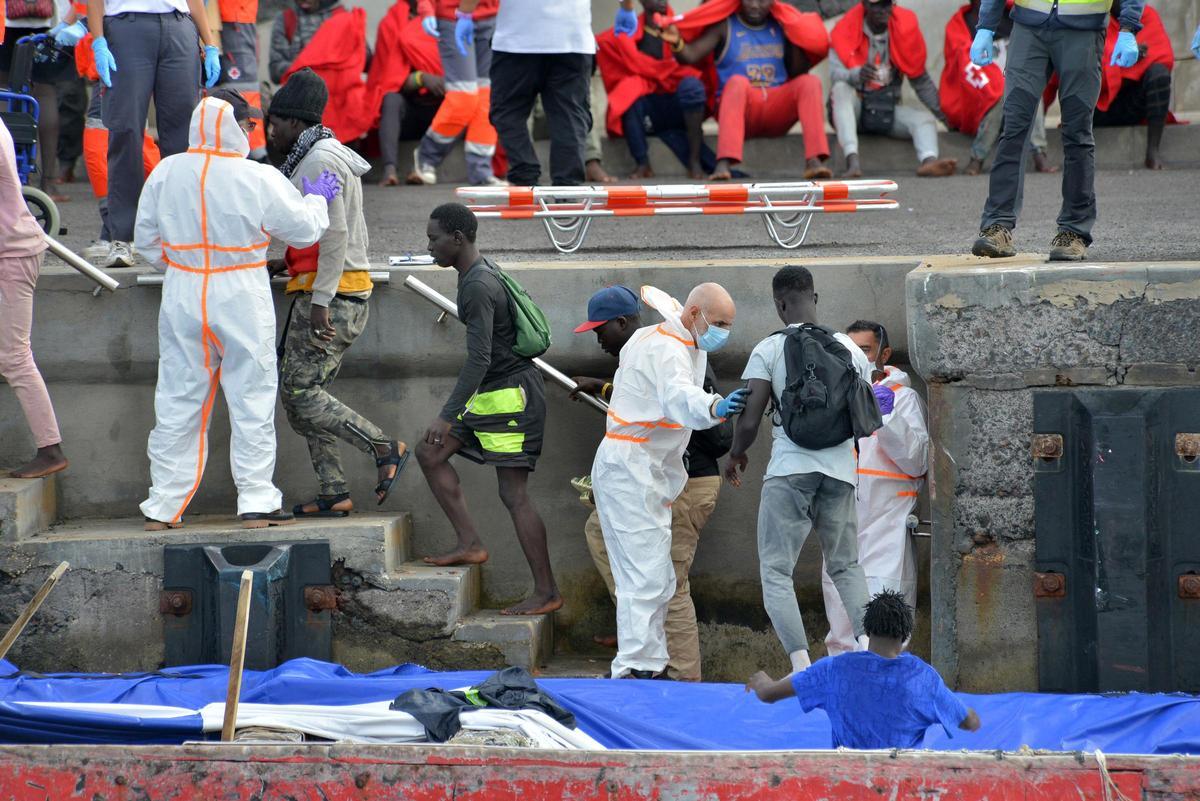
[(885, 397), (326, 186)]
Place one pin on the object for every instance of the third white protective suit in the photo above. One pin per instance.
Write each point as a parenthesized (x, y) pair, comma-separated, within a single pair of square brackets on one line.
[(657, 401), (891, 469), (205, 218)]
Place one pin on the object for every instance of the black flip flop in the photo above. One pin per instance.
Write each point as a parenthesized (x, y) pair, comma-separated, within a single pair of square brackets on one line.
[(324, 507), (396, 458)]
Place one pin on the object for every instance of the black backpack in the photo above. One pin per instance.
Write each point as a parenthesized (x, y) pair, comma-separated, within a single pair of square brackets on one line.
[(825, 401)]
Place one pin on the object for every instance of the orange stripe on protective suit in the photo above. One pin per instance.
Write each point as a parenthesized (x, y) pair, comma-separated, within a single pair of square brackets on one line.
[(457, 111), (862, 471), (95, 157), (480, 131)]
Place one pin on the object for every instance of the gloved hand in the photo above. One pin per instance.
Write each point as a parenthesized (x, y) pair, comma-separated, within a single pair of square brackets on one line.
[(69, 35), (105, 63), (1125, 53), (212, 66), (727, 407), (326, 186), (885, 397), (981, 48), (1196, 42), (429, 25), (625, 22), (464, 32)]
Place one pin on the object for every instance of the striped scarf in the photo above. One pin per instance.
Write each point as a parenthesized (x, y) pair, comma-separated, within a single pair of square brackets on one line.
[(304, 143)]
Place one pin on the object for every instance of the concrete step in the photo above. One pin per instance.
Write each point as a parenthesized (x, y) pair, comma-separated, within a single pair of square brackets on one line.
[(27, 506), (524, 641), (422, 601)]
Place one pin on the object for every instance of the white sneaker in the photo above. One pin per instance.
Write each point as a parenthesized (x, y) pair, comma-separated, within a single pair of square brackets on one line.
[(97, 250), (119, 255), (494, 181), (423, 172)]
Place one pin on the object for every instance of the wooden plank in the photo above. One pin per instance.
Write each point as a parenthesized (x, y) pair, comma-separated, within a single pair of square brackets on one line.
[(22, 620), (237, 657)]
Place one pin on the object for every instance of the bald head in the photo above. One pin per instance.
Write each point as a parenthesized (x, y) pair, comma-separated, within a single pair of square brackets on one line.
[(708, 305)]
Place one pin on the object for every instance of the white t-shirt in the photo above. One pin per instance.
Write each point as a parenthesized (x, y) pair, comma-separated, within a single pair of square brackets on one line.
[(538, 26), (788, 458), (114, 7)]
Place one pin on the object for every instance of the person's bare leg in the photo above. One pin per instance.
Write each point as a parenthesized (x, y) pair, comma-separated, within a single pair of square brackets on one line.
[(445, 486), (974, 167), (1041, 162), (49, 459), (853, 167), (693, 122), (531, 533), (596, 173), (642, 171), (1154, 134)]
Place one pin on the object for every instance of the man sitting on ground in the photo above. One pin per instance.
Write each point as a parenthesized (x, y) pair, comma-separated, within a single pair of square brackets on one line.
[(875, 47), (764, 51), (649, 92), (850, 687)]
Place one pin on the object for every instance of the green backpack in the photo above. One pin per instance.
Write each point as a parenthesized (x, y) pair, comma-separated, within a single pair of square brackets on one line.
[(533, 330)]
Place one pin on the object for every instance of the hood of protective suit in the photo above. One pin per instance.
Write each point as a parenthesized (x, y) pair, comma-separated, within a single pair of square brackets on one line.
[(332, 149), (668, 307), (214, 130), (896, 376)]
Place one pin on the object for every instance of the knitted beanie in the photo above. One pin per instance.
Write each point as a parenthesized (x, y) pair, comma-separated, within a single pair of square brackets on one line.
[(303, 97)]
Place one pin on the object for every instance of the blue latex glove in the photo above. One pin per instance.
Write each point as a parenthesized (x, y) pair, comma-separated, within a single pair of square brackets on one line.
[(69, 35), (429, 25), (53, 32), (1196, 42), (464, 32), (1125, 53), (727, 407), (326, 186), (625, 23), (105, 63), (981, 48), (212, 66), (885, 397)]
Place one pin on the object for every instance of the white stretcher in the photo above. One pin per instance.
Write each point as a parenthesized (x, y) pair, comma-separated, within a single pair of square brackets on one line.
[(787, 209)]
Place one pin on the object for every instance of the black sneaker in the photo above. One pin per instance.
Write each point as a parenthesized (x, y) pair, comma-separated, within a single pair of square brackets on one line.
[(994, 242), (1068, 246)]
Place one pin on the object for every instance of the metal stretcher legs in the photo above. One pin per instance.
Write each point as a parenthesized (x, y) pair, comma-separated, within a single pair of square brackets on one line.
[(566, 233), (788, 230)]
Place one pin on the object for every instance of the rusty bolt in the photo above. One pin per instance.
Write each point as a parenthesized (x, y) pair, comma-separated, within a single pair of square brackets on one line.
[(1189, 587), (1047, 446), (1187, 446), (320, 597), (175, 602), (1049, 585)]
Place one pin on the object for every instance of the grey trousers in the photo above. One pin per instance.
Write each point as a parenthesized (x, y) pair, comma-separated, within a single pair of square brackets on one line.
[(157, 55), (467, 74), (788, 510), (1033, 55)]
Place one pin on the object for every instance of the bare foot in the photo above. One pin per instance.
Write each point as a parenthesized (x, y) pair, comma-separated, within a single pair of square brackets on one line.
[(696, 172), (390, 178), (1153, 162), (1041, 163), (975, 166), (49, 460), (642, 171), (412, 179), (723, 171), (535, 605), (816, 169), (853, 168), (606, 640), (597, 175), (937, 168), (474, 555)]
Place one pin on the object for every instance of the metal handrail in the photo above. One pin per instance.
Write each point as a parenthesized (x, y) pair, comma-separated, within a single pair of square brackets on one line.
[(74, 260)]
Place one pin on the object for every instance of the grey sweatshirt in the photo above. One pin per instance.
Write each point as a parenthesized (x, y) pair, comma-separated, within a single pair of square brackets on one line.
[(344, 244)]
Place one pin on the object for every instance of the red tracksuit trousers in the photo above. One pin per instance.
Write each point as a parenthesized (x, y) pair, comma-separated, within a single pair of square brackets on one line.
[(746, 110)]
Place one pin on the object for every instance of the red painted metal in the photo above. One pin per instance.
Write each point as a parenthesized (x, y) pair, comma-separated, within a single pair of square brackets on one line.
[(432, 773)]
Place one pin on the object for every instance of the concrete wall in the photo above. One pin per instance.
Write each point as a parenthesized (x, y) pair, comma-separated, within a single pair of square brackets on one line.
[(99, 356), (984, 336)]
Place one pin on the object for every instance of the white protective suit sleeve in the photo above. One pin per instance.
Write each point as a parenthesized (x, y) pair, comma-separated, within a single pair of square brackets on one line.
[(298, 220), (682, 401), (147, 239), (904, 437)]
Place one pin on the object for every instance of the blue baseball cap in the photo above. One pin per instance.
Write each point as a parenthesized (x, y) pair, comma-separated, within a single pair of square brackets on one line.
[(609, 304)]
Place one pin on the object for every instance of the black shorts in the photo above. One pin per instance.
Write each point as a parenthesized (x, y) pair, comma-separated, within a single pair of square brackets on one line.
[(504, 421)]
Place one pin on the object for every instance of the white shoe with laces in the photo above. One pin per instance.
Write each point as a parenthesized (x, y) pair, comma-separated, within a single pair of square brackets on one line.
[(426, 174), (97, 250), (494, 181), (119, 255)]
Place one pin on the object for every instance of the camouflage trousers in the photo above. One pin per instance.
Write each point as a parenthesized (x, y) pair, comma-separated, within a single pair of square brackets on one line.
[(306, 370)]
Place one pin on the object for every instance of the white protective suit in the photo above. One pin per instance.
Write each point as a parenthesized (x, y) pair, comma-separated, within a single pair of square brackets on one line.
[(657, 402), (891, 468), (205, 218)]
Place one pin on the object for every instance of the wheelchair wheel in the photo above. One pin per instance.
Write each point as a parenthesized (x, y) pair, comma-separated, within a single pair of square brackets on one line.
[(43, 209)]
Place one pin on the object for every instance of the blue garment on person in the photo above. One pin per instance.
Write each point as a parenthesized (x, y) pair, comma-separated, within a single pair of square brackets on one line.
[(876, 702), (756, 52)]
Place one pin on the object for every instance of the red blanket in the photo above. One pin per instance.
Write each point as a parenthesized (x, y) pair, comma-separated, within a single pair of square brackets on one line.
[(905, 42), (628, 73), (967, 91), (803, 29), (401, 46), (337, 52), (1158, 51)]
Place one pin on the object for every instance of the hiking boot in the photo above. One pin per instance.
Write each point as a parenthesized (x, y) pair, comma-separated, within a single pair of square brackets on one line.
[(120, 254), (994, 242), (422, 173), (1068, 246)]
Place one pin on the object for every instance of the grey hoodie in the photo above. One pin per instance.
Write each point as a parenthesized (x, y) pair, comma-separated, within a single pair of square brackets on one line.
[(344, 244)]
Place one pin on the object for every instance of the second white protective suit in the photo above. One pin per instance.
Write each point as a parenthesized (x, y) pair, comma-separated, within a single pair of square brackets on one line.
[(891, 469), (657, 402), (205, 218)]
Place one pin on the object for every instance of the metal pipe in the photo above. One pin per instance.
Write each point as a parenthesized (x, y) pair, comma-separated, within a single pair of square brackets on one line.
[(156, 279), (449, 307), (91, 271)]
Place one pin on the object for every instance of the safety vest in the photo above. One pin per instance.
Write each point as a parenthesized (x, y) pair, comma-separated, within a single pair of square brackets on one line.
[(1067, 8)]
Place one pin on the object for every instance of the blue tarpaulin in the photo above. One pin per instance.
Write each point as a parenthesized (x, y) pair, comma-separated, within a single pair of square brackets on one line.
[(653, 715)]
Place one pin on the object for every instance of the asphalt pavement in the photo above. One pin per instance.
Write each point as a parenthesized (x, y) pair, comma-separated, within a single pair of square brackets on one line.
[(1144, 216)]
